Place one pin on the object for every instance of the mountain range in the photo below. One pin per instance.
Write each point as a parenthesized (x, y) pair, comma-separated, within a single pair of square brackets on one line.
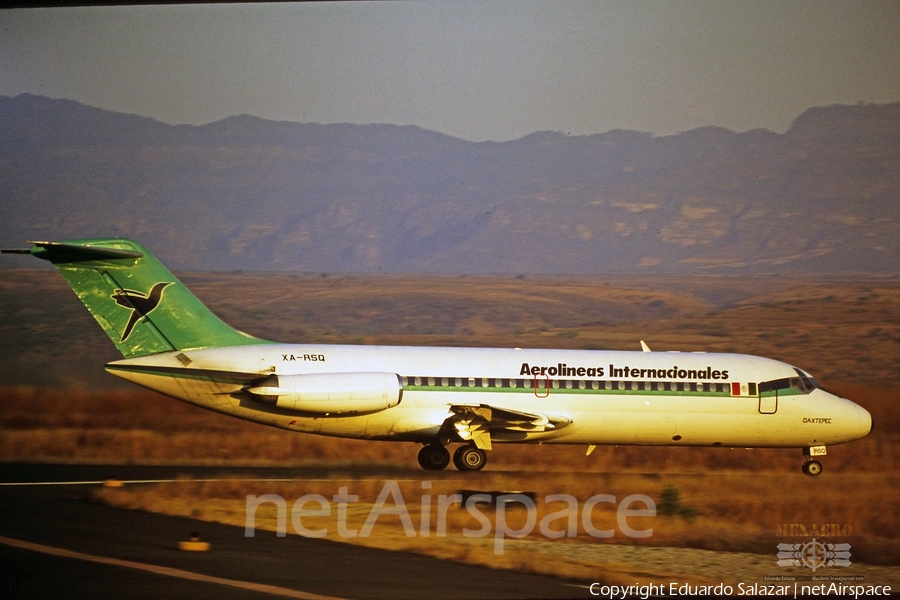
[(246, 193)]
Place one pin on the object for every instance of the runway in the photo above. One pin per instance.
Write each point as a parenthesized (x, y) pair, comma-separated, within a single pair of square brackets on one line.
[(56, 542)]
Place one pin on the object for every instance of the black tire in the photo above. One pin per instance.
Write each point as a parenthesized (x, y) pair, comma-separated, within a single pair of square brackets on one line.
[(456, 461), (812, 468), (434, 457), (468, 458)]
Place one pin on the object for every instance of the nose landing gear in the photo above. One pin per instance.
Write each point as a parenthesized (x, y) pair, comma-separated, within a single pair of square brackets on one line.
[(811, 466)]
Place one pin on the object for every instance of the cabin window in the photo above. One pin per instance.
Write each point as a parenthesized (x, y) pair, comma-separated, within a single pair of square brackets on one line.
[(802, 384)]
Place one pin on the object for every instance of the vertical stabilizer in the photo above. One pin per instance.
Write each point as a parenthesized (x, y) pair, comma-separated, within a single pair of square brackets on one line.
[(142, 307)]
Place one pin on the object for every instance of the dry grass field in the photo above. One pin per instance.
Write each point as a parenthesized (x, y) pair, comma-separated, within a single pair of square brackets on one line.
[(845, 332), (728, 512)]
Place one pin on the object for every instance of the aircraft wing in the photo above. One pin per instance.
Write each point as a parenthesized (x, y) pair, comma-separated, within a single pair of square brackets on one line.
[(476, 422)]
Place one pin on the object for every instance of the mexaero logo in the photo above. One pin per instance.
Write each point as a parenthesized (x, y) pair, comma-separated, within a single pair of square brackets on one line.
[(139, 303), (813, 555)]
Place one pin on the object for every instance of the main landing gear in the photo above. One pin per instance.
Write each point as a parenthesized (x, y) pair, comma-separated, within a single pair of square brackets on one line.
[(435, 457), (469, 458)]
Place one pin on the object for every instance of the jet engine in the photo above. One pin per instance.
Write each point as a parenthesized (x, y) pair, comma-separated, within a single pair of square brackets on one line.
[(330, 393)]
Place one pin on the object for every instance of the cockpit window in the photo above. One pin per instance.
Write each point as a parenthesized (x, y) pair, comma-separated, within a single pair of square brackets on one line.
[(808, 383), (775, 384), (802, 384)]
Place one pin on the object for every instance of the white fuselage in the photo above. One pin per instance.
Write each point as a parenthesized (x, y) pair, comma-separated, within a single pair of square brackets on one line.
[(600, 397)]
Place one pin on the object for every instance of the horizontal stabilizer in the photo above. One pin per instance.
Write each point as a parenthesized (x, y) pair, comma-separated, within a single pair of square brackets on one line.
[(52, 249)]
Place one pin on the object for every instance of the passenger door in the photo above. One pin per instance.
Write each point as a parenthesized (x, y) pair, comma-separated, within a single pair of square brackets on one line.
[(768, 397)]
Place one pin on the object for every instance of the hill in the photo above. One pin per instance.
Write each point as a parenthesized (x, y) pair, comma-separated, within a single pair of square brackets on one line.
[(250, 194)]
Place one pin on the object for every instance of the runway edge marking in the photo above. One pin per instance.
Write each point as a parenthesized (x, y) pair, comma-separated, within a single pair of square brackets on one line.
[(167, 571)]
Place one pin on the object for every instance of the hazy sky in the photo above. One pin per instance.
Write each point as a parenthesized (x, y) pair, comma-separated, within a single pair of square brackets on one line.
[(476, 70)]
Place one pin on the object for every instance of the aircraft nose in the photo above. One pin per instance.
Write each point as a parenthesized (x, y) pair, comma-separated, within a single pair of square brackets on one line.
[(862, 420)]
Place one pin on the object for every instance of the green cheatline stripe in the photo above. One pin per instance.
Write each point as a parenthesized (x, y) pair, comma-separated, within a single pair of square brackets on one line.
[(240, 378), (542, 391)]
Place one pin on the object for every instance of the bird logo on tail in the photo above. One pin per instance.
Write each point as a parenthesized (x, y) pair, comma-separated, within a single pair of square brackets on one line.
[(139, 303)]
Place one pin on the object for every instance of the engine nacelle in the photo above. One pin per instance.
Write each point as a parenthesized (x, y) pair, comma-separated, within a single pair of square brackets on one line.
[(330, 393)]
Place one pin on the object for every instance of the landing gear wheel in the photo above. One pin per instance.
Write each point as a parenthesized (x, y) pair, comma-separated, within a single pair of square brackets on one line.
[(434, 457), (467, 458), (812, 468)]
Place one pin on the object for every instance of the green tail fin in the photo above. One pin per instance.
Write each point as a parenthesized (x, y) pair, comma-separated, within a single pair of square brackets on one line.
[(142, 307)]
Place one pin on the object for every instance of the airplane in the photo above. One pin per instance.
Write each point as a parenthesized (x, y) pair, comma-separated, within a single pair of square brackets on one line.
[(173, 344)]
